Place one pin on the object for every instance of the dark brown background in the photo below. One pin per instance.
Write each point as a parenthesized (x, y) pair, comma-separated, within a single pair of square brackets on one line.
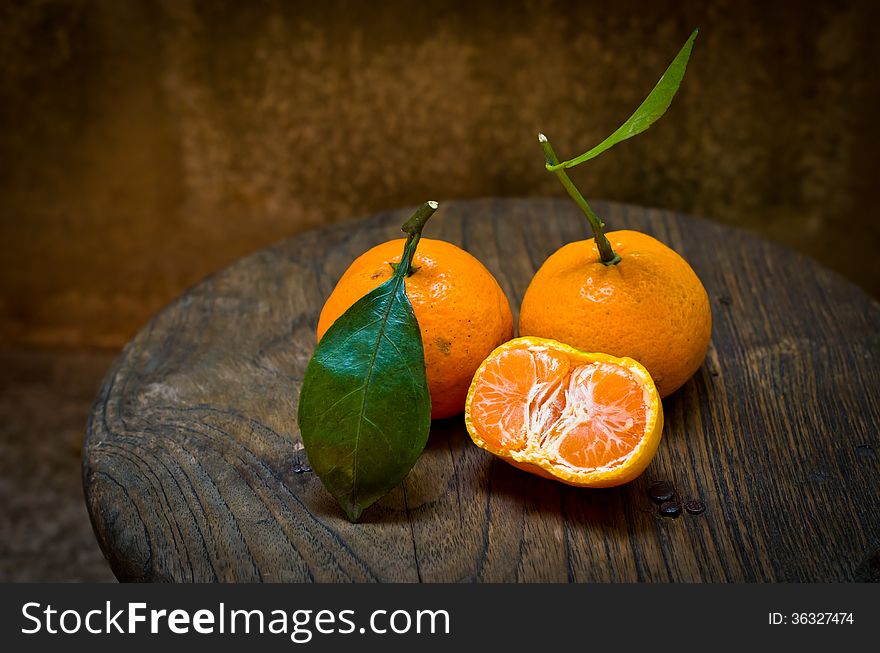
[(146, 144)]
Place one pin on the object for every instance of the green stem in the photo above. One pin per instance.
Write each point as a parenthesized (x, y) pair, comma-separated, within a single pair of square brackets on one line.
[(413, 229), (606, 255)]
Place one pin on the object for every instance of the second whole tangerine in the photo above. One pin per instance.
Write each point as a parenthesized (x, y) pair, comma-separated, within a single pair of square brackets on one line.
[(649, 305)]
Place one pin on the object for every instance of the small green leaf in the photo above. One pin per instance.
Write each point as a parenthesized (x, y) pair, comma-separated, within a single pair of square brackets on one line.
[(364, 408), (654, 106)]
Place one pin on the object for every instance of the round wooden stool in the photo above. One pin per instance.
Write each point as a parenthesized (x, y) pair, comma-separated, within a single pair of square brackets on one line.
[(194, 470)]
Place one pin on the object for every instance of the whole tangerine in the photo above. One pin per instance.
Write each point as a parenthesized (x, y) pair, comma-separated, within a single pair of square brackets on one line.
[(648, 304), (462, 312)]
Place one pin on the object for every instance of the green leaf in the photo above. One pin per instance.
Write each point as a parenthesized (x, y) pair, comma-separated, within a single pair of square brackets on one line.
[(364, 408), (649, 111)]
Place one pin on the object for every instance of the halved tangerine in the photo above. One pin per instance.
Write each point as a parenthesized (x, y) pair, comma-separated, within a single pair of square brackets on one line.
[(591, 420)]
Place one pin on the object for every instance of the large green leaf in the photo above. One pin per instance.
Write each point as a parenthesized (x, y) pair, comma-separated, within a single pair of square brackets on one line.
[(649, 111), (364, 408)]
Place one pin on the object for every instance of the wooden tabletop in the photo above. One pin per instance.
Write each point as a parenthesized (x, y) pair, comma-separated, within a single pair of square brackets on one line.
[(193, 464)]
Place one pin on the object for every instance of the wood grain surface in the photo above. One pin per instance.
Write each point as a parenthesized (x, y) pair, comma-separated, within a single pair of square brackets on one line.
[(192, 465)]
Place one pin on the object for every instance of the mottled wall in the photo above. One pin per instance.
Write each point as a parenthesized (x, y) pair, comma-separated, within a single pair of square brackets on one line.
[(145, 144)]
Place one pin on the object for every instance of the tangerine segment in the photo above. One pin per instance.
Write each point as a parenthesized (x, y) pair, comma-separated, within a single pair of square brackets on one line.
[(604, 418), (587, 419), (512, 383)]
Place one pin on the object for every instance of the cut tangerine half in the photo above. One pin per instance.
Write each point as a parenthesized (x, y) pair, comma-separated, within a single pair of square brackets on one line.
[(591, 420)]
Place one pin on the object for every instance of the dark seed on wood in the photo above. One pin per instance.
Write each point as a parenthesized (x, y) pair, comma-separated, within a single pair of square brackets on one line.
[(661, 491), (670, 509), (695, 506)]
